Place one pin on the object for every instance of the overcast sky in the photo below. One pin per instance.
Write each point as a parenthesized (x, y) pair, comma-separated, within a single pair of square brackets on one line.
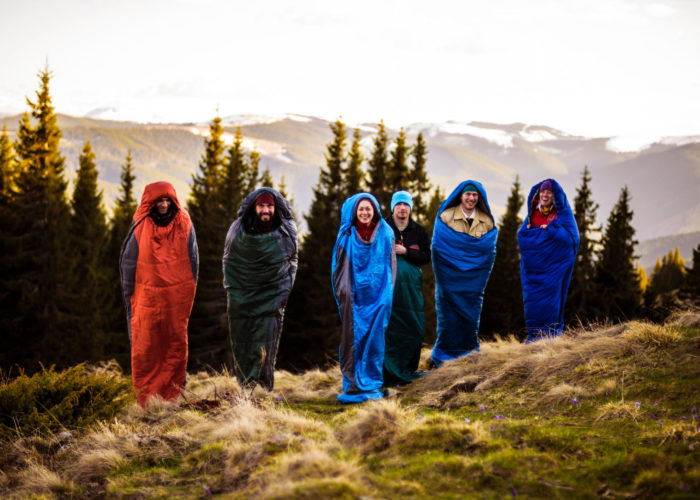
[(590, 67)]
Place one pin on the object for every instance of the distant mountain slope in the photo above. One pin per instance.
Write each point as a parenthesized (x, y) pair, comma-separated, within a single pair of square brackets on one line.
[(664, 179), (650, 250)]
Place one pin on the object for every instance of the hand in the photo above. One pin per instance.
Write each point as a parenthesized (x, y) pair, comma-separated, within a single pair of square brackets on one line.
[(543, 226), (528, 226), (400, 249)]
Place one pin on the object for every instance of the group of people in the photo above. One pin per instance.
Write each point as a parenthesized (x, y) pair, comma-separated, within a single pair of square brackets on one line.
[(376, 280)]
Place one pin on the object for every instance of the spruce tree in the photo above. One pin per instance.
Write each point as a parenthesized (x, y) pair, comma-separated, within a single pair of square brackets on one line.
[(253, 171), (233, 188), (266, 179), (663, 294), (617, 288), (582, 287), (8, 168), (419, 185), (89, 280), (503, 299), (208, 336), (34, 306), (117, 341), (691, 287), (398, 175), (312, 333), (353, 175), (378, 166), (428, 275)]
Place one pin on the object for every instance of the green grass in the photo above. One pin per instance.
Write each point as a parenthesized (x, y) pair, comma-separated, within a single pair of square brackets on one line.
[(617, 425)]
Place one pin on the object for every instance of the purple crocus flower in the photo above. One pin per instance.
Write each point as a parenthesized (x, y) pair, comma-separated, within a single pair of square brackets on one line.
[(575, 401), (483, 408), (278, 400), (208, 490), (467, 421), (636, 404)]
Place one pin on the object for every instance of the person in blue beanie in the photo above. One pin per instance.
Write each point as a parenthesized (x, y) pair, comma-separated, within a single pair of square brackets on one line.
[(406, 331)]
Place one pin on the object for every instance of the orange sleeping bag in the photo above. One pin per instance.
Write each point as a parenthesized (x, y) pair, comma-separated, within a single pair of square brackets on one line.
[(159, 265)]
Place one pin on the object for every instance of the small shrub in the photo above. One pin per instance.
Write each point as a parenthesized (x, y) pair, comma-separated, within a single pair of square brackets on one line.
[(51, 401)]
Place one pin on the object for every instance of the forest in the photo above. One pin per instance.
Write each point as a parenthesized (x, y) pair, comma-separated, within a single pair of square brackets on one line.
[(60, 296)]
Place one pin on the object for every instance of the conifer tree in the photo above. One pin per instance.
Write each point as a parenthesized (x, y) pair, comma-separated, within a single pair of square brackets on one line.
[(419, 185), (665, 286), (208, 335), (428, 275), (398, 175), (378, 166), (34, 271), (253, 171), (617, 288), (582, 287), (284, 190), (692, 279), (503, 300), (266, 179), (354, 176), (8, 169), (89, 277), (233, 188), (117, 341), (312, 332)]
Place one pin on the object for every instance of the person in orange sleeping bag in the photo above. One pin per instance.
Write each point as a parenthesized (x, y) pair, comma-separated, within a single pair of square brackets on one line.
[(159, 263)]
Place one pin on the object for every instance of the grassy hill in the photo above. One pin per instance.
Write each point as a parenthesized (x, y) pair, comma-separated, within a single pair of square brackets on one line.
[(604, 412)]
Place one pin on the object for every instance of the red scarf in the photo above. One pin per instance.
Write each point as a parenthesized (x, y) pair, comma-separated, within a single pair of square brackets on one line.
[(365, 230)]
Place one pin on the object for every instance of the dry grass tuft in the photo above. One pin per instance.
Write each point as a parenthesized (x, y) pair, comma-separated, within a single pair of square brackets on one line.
[(564, 393), (685, 318), (313, 384), (606, 387), (443, 433), (314, 474), (94, 465), (372, 428), (536, 364), (36, 479), (618, 410)]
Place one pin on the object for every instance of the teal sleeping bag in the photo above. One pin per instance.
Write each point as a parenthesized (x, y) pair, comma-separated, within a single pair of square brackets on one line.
[(259, 271)]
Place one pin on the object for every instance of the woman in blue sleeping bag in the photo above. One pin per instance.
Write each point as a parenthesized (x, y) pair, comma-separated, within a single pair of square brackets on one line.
[(464, 248), (363, 270), (548, 241)]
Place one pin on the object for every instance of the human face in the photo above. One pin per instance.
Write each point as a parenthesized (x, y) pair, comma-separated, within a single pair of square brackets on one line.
[(365, 211), (469, 200), (401, 211), (546, 198), (265, 212), (163, 205)]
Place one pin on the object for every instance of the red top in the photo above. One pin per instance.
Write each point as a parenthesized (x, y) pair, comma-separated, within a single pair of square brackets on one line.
[(537, 218)]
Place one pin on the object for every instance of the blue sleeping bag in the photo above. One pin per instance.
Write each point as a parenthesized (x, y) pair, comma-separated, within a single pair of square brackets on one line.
[(547, 258), (462, 265), (363, 284)]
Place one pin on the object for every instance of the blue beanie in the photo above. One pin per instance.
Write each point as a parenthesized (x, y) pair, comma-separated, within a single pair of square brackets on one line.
[(401, 197)]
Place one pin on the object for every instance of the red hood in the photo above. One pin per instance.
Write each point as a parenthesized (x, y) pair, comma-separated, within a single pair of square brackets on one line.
[(151, 194)]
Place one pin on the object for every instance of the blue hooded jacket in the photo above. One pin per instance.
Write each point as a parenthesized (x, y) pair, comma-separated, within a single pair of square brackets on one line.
[(363, 285), (462, 265), (547, 258)]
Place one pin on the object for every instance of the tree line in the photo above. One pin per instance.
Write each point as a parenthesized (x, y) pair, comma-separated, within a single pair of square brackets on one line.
[(60, 294)]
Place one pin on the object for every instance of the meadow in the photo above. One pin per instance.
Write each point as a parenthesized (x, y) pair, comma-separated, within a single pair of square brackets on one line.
[(606, 411)]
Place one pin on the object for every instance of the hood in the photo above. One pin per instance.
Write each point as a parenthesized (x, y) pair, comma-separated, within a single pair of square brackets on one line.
[(560, 201), (349, 207), (151, 194), (456, 195)]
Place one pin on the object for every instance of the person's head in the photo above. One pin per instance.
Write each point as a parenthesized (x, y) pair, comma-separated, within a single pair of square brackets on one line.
[(163, 205), (401, 205), (265, 208), (470, 197), (365, 211), (546, 194)]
